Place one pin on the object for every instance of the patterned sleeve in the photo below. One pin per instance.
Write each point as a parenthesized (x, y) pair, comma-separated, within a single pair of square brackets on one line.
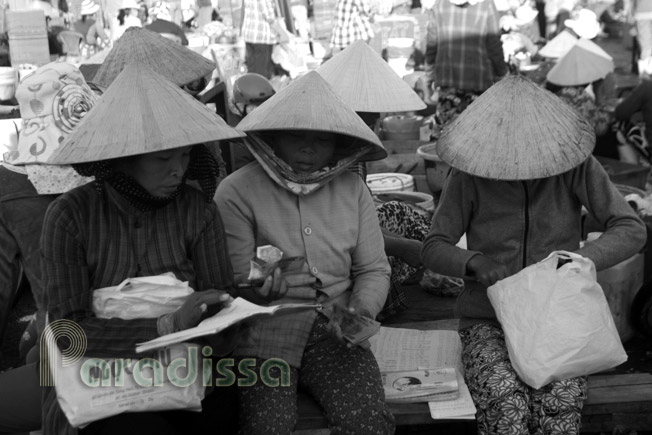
[(68, 292)]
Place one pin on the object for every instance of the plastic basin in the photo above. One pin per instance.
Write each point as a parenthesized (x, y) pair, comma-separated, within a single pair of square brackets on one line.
[(436, 169)]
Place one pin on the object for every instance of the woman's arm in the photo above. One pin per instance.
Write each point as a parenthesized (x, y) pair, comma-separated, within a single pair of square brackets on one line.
[(625, 234), (369, 267), (449, 223)]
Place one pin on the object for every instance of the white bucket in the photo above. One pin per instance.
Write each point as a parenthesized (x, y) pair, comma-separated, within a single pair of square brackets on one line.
[(8, 82), (390, 182)]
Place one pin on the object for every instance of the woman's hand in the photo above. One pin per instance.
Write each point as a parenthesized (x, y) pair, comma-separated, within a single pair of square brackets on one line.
[(276, 286), (196, 304), (487, 271), (336, 321)]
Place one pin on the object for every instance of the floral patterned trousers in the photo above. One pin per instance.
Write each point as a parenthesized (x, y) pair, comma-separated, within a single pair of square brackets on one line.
[(345, 381), (504, 403)]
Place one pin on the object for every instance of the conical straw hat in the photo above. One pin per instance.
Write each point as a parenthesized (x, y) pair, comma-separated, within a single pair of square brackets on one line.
[(309, 103), (517, 130), (367, 83), (586, 62), (141, 112), (559, 45), (175, 62)]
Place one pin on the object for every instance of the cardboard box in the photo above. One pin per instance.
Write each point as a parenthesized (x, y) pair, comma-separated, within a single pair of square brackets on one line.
[(32, 50)]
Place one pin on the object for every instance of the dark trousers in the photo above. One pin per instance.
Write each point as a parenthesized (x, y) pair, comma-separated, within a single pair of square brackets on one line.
[(258, 58)]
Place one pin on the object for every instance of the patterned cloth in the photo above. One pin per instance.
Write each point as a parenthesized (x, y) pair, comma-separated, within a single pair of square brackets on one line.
[(345, 382), (400, 219), (352, 23), (463, 49), (334, 228), (505, 404), (91, 241), (581, 101), (258, 15), (451, 103)]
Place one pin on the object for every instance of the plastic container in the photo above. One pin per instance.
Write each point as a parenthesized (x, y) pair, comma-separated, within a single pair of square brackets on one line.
[(8, 82), (420, 202), (390, 182), (436, 169), (620, 284), (402, 127)]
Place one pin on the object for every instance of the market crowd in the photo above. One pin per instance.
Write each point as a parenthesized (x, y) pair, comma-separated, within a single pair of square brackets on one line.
[(120, 175)]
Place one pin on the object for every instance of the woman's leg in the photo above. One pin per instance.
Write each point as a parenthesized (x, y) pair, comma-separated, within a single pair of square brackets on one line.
[(267, 410), (557, 407), (500, 397), (20, 407), (346, 383)]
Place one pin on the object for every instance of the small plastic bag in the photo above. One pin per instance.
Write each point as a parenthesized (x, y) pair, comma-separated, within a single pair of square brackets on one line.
[(142, 297), (557, 321)]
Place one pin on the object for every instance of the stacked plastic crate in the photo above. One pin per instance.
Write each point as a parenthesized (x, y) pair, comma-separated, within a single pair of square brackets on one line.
[(28, 38)]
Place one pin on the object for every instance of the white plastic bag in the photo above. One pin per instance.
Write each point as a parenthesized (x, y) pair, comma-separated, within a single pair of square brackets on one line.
[(557, 322), (142, 297), (90, 389)]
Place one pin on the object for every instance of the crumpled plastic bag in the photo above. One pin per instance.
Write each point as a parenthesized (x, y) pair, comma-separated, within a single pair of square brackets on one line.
[(142, 297), (557, 321), (90, 394)]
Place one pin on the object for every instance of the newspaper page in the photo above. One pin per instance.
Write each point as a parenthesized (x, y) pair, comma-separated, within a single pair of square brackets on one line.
[(238, 310), (398, 349)]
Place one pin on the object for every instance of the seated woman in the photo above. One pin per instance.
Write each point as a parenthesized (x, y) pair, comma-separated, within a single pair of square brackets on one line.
[(583, 79), (89, 27), (516, 211), (299, 197), (137, 218)]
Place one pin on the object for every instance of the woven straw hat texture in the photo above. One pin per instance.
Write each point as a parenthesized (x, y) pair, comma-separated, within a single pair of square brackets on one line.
[(141, 112), (177, 63), (586, 62), (309, 103), (559, 45), (517, 130), (366, 83)]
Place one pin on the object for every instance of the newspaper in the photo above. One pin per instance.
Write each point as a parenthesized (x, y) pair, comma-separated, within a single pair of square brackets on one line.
[(399, 349), (238, 310)]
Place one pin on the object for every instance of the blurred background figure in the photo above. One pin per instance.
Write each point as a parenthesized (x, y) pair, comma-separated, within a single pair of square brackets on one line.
[(640, 12), (464, 53), (353, 23), (162, 23), (260, 32), (127, 17), (89, 27)]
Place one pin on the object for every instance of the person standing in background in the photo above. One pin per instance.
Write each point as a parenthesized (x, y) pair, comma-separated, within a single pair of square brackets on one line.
[(640, 12), (259, 34), (353, 23), (464, 54), (127, 17)]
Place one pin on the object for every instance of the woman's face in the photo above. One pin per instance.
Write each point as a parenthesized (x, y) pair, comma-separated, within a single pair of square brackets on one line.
[(159, 173), (305, 151)]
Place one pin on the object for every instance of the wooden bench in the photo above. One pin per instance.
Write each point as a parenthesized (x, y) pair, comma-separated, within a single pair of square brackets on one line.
[(613, 400)]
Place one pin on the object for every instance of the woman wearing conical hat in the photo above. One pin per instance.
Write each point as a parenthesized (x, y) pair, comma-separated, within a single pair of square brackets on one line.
[(138, 218), (299, 197), (580, 78), (367, 84), (523, 170)]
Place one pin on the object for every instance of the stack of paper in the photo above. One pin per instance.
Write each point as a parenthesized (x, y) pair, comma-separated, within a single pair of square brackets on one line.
[(398, 349)]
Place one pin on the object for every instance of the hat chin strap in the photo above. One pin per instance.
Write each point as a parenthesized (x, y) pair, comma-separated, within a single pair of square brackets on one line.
[(283, 175)]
